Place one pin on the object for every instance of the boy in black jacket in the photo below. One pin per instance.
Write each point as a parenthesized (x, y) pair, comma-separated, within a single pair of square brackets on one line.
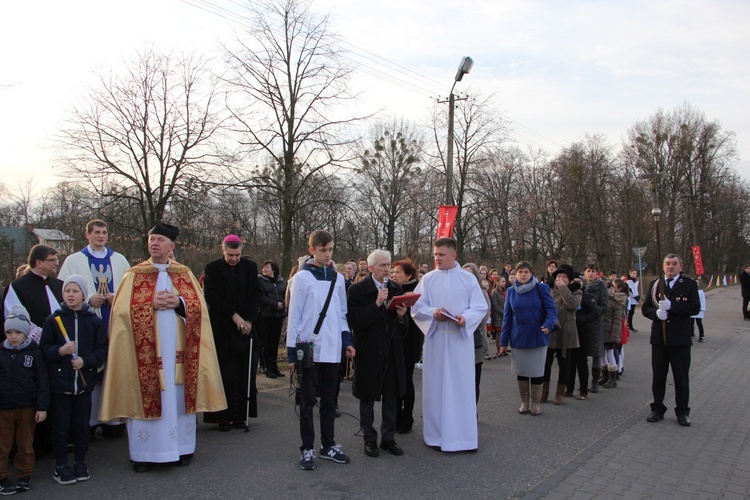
[(24, 398), (74, 343)]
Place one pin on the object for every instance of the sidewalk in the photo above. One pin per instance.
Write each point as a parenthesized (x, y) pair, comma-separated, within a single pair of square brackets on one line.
[(637, 459)]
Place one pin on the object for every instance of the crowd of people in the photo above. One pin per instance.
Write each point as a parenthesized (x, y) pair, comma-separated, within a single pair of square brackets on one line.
[(141, 350)]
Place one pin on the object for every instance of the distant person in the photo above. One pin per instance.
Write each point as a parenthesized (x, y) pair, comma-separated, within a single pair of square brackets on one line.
[(634, 296), (745, 287), (448, 408), (481, 346), (273, 312), (670, 337), (698, 318)]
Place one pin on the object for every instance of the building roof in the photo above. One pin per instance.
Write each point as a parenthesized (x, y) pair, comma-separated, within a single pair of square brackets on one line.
[(52, 235), (21, 238)]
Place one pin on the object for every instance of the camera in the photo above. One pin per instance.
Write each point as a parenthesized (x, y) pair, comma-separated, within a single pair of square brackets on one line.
[(305, 354)]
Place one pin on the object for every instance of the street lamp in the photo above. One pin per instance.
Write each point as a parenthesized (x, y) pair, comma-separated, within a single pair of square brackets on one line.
[(656, 213), (463, 69)]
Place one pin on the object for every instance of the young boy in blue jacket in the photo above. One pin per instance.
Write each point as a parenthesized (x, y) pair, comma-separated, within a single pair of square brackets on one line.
[(74, 343), (24, 398)]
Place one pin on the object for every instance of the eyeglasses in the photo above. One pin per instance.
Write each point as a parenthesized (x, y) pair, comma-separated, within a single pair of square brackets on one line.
[(52, 259), (19, 316)]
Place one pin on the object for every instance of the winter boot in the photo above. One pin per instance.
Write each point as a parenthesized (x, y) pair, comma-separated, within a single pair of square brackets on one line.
[(536, 395), (523, 390), (545, 392), (560, 394), (612, 382)]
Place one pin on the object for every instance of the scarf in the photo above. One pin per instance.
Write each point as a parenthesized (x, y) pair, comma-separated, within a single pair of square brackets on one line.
[(521, 289)]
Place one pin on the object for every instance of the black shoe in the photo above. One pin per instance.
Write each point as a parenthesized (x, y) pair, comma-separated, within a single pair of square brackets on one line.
[(404, 428), (655, 416), (24, 483), (683, 420), (81, 471), (278, 373), (7, 487), (371, 449), (184, 460), (141, 466), (306, 460), (271, 374), (334, 453), (392, 448), (225, 427), (64, 475), (702, 339)]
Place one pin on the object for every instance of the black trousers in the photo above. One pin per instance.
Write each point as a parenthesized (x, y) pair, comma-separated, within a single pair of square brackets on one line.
[(389, 400), (271, 342), (631, 312), (678, 358), (563, 365), (745, 302), (67, 413), (320, 378), (579, 363), (405, 411)]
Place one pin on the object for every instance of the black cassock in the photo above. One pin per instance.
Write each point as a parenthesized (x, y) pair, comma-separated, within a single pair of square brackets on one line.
[(228, 290)]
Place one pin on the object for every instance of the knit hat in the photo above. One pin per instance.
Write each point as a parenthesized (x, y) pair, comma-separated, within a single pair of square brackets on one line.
[(18, 319), (80, 281)]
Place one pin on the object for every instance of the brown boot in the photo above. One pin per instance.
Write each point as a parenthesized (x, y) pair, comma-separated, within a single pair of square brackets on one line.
[(612, 382), (536, 395), (560, 394), (523, 391), (545, 392)]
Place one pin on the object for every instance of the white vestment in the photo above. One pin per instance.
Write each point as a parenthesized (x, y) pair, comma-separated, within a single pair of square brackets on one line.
[(164, 439), (448, 394)]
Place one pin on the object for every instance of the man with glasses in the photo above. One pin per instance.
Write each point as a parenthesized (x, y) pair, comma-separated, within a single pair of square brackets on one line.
[(39, 291)]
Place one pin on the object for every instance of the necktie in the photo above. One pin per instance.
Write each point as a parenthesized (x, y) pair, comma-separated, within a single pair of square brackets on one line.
[(669, 283)]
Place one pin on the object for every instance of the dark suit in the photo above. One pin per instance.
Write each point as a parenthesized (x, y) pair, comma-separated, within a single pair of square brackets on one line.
[(744, 279), (675, 353), (379, 363), (228, 290)]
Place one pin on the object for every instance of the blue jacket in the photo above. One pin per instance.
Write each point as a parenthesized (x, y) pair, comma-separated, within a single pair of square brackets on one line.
[(86, 329), (23, 377), (525, 315)]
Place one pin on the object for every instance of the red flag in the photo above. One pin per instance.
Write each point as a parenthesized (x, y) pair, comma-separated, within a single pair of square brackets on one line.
[(698, 259), (446, 221)]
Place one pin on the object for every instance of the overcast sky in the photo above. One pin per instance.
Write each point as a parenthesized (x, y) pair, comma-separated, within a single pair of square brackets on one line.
[(558, 69)]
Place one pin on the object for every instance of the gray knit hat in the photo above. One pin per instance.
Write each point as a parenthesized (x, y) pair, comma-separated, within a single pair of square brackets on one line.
[(18, 319), (79, 280)]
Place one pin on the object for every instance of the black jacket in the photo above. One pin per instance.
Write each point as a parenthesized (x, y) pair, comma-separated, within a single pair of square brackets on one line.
[(414, 338), (84, 328), (273, 292), (23, 378), (378, 335), (685, 303), (744, 280)]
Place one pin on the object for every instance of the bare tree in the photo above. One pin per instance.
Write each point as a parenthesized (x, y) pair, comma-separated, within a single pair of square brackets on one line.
[(145, 134), (288, 77)]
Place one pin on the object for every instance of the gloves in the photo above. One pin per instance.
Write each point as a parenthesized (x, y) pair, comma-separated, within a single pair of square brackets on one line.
[(665, 305), (661, 314)]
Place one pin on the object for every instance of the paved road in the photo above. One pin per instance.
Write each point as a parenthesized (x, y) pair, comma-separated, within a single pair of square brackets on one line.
[(602, 447)]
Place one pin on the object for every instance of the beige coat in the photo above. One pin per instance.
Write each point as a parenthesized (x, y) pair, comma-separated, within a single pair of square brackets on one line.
[(567, 302)]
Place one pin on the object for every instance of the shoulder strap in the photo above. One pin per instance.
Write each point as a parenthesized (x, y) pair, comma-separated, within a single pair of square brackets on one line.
[(322, 315)]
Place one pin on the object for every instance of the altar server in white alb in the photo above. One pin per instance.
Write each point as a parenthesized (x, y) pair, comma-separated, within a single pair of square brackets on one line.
[(448, 398)]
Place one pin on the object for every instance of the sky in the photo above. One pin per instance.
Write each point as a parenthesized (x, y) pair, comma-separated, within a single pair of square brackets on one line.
[(556, 69)]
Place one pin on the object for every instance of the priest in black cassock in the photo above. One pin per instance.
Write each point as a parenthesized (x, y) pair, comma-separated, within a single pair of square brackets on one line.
[(232, 294)]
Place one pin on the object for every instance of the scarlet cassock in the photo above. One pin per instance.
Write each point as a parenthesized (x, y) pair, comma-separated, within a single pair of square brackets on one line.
[(162, 367), (448, 394)]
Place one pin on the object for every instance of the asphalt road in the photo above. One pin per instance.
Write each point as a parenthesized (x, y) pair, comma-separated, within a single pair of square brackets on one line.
[(515, 452)]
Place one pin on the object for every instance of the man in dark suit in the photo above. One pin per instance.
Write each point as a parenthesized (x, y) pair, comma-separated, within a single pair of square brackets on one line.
[(669, 305), (379, 366), (232, 294), (745, 286)]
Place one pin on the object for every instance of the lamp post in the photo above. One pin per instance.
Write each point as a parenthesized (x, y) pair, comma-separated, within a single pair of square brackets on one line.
[(463, 69), (656, 213)]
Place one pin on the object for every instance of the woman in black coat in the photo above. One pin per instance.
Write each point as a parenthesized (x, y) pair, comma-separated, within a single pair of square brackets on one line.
[(404, 273), (273, 312)]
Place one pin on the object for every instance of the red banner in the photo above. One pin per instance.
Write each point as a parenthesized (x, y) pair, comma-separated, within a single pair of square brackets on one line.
[(446, 221), (698, 259)]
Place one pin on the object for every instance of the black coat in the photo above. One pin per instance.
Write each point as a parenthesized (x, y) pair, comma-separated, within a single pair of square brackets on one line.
[(273, 291), (91, 341), (378, 335), (744, 279), (685, 303), (415, 337), (32, 294), (23, 378)]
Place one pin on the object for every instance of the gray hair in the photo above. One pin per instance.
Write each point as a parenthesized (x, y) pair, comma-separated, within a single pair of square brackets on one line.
[(673, 256), (473, 269), (375, 255)]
